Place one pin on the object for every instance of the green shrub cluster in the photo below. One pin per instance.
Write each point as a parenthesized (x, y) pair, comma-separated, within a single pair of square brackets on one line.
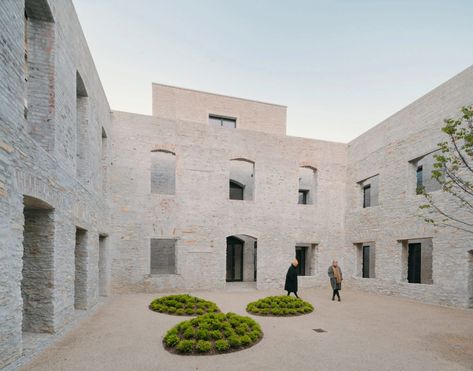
[(213, 333), (183, 305), (279, 306)]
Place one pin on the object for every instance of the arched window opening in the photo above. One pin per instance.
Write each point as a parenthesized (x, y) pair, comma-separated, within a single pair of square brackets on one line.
[(242, 180), (307, 185)]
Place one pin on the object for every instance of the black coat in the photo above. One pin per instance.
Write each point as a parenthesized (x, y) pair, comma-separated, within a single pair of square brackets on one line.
[(291, 279)]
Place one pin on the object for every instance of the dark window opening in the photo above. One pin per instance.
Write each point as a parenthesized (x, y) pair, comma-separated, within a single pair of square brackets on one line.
[(303, 196), (366, 262), (420, 180), (234, 259), (414, 263), (301, 254), (236, 191), (224, 122), (367, 196)]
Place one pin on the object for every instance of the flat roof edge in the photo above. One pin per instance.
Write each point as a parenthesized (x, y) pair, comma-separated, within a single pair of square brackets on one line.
[(219, 95)]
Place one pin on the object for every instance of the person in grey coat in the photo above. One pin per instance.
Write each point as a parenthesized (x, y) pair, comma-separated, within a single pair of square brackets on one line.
[(336, 278)]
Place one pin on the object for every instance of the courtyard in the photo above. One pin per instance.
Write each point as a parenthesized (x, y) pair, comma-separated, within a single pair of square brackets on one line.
[(363, 332)]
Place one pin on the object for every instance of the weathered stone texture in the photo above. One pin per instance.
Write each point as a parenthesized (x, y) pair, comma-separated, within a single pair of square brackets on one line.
[(37, 159), (200, 215), (99, 173), (388, 150), (175, 103)]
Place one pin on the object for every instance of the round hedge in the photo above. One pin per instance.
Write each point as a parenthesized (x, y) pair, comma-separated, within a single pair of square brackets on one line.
[(279, 306), (213, 334), (182, 305)]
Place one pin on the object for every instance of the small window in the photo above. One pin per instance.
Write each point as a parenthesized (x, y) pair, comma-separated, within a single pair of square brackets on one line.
[(236, 191), (367, 196), (163, 256), (301, 256), (303, 196), (224, 122), (420, 179)]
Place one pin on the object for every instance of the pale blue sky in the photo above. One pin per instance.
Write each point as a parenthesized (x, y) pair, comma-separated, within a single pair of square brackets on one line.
[(340, 66)]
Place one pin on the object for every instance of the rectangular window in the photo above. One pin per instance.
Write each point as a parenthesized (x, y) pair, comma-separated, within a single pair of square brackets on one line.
[(303, 196), (301, 255), (224, 122), (162, 256), (420, 179), (367, 196), (366, 262)]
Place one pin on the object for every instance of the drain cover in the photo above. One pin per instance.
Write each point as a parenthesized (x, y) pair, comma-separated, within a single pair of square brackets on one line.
[(319, 330)]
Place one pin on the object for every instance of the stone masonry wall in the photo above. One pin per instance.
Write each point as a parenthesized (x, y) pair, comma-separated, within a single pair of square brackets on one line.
[(388, 150), (200, 216), (173, 103), (39, 161)]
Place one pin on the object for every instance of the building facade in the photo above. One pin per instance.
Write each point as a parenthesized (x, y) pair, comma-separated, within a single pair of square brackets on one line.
[(205, 191)]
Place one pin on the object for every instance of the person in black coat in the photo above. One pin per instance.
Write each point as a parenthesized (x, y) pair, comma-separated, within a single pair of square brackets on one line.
[(291, 279)]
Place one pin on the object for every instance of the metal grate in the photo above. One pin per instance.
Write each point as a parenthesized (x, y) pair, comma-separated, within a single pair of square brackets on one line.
[(319, 330)]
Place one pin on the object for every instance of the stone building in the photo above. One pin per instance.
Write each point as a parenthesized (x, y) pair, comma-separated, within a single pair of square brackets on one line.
[(206, 190)]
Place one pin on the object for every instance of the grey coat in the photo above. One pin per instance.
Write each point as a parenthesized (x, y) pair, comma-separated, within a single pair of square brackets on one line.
[(333, 281)]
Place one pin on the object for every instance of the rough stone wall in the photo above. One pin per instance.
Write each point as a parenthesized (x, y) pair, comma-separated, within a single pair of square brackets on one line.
[(46, 169), (173, 103), (388, 150), (200, 216)]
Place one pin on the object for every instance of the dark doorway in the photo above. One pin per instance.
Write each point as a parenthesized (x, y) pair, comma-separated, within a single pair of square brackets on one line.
[(301, 254), (414, 263), (234, 259), (255, 258), (366, 262)]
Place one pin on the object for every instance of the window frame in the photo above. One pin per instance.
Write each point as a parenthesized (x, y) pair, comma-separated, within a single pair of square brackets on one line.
[(222, 119)]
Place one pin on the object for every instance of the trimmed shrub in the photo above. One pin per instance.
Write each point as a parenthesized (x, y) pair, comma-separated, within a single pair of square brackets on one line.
[(203, 346), (279, 306), (185, 346), (213, 333), (222, 345), (183, 305)]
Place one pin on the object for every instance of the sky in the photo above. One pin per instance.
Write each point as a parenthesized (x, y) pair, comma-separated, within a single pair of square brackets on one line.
[(340, 66)]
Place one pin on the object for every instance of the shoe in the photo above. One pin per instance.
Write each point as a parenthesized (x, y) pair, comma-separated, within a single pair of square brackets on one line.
[(333, 299), (339, 299)]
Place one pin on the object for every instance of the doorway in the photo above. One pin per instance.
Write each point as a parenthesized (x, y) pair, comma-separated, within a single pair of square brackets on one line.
[(414, 263), (234, 259)]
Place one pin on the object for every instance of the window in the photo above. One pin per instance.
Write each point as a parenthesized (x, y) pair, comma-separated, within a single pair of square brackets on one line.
[(301, 255), (162, 256), (241, 180), (163, 172), (236, 190), (303, 196), (367, 196), (224, 122), (420, 180), (420, 170), (307, 185)]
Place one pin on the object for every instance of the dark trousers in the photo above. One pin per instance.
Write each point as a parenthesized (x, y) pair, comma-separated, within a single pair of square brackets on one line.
[(336, 293), (295, 293)]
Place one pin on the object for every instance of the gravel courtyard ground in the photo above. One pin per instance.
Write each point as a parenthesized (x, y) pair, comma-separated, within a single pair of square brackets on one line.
[(364, 332)]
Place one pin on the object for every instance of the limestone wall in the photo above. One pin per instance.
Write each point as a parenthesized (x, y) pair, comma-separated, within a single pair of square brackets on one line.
[(175, 103), (38, 159), (200, 215), (388, 150)]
